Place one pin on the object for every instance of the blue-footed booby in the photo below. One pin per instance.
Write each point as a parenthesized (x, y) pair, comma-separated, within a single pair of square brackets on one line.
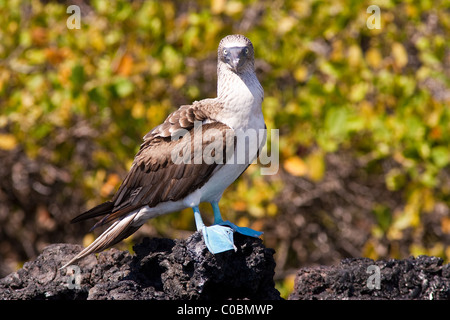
[(192, 157)]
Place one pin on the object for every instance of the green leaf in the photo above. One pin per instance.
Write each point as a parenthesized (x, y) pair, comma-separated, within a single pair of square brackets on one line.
[(384, 216), (77, 78), (123, 87), (440, 156), (335, 121)]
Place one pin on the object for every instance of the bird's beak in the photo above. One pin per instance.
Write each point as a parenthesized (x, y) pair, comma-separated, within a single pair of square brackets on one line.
[(235, 57)]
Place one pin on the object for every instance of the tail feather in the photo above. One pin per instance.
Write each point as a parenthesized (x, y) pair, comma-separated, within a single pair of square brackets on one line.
[(118, 231), (100, 210)]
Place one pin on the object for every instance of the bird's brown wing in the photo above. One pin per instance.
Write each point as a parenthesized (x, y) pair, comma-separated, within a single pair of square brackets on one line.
[(158, 174)]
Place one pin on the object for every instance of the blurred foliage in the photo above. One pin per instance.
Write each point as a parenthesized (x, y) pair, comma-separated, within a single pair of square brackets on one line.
[(355, 107)]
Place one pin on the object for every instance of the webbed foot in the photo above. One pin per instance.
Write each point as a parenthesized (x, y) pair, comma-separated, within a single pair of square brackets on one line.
[(217, 238)]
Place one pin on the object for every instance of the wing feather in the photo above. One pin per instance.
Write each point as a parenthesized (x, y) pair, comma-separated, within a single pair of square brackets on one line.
[(154, 177)]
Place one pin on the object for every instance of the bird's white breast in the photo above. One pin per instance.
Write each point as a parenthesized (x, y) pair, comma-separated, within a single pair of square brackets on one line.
[(242, 113)]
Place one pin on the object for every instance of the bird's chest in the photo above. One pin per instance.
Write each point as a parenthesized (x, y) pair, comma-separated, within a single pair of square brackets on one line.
[(250, 135), (244, 112)]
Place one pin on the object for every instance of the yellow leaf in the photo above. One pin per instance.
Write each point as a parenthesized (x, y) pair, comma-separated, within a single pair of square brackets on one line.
[(243, 222), (272, 209), (7, 141), (354, 55), (256, 211), (358, 91), (125, 65), (156, 113), (366, 110), (233, 7), (337, 52), (217, 6), (240, 205), (411, 10), (138, 110), (316, 165), (445, 225), (374, 58), (110, 185), (417, 249), (4, 78), (88, 239), (302, 8), (64, 73), (399, 54), (286, 24), (428, 201), (295, 166), (179, 80), (395, 230), (56, 55), (155, 66), (257, 225), (97, 40), (39, 36), (301, 73)]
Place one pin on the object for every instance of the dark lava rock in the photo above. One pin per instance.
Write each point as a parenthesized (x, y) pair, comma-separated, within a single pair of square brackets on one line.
[(185, 269), (160, 269), (421, 278)]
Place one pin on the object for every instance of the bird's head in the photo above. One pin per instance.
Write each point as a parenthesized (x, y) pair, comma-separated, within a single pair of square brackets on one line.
[(236, 52)]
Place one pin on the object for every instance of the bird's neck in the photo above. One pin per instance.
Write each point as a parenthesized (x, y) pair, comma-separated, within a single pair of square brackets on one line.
[(242, 90), (240, 94)]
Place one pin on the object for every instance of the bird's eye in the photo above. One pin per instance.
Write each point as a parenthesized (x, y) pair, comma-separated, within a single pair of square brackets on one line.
[(225, 51), (246, 50)]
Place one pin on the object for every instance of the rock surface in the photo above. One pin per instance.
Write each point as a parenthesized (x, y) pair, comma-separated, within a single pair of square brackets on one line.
[(160, 269), (185, 269), (421, 278)]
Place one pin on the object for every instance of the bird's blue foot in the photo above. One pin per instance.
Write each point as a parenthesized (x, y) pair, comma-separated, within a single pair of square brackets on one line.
[(217, 238), (242, 230)]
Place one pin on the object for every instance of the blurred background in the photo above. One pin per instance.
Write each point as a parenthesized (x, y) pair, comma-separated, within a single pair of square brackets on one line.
[(363, 115)]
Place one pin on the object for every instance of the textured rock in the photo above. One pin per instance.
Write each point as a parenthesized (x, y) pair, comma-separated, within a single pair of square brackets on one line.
[(160, 269), (185, 269), (420, 278)]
